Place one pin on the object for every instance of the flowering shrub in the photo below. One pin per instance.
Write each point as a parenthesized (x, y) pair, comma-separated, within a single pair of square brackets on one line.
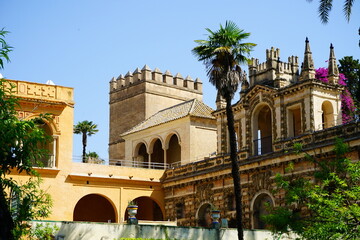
[(347, 102), (321, 74)]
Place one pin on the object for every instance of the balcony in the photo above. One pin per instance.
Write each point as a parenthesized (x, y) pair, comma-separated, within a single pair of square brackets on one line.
[(132, 163), (263, 145)]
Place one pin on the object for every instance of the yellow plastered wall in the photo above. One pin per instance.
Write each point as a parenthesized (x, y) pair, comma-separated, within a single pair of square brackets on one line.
[(68, 182)]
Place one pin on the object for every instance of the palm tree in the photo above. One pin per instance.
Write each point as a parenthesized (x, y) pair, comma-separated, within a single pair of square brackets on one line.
[(86, 128), (4, 48), (325, 7), (222, 53)]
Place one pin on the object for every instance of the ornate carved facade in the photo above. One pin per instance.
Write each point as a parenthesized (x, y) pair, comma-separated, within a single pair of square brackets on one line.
[(278, 107)]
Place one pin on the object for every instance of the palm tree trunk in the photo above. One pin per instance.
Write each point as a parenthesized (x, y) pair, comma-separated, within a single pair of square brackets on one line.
[(234, 167), (84, 142), (6, 221)]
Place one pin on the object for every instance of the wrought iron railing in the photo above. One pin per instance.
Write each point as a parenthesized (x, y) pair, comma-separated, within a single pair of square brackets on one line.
[(263, 145), (137, 164)]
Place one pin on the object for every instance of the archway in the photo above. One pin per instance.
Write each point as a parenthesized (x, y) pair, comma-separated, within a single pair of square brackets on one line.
[(260, 208), (49, 156), (157, 156), (148, 210), (262, 130), (94, 208), (204, 215), (141, 157), (327, 115), (173, 153)]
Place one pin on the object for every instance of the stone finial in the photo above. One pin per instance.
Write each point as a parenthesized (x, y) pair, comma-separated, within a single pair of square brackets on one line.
[(168, 77), (179, 80), (307, 69), (189, 82), (198, 84), (333, 71), (137, 75), (157, 75), (146, 73)]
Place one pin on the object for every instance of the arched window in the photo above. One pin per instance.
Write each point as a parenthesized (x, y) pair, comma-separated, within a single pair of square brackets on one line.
[(204, 215), (260, 208), (157, 156), (141, 157), (262, 131), (173, 153), (48, 159), (327, 115)]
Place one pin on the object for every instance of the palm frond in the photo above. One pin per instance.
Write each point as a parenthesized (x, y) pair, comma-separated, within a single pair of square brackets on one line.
[(347, 8), (324, 10)]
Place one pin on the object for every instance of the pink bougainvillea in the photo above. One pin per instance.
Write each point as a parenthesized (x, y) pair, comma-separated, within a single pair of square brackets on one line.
[(347, 103), (321, 74)]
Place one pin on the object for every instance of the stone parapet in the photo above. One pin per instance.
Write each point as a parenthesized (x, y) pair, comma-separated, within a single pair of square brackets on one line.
[(41, 92), (146, 74), (273, 69)]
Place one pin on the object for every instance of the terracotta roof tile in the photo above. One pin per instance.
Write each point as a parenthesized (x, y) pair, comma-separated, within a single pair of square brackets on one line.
[(192, 107)]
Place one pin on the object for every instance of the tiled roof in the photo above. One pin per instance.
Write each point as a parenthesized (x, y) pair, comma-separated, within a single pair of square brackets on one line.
[(192, 107)]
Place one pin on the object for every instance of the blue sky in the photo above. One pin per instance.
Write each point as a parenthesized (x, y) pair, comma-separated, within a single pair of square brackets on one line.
[(84, 43)]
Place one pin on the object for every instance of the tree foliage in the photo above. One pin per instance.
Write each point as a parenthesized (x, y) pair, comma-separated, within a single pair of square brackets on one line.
[(323, 204), (348, 110), (4, 48), (19, 150), (93, 157), (351, 68), (85, 128), (222, 53), (325, 7)]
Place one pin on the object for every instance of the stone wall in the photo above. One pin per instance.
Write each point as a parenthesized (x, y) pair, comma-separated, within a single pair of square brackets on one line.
[(93, 231)]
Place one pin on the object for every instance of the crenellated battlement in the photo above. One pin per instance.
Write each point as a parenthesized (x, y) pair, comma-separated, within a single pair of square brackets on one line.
[(146, 74), (273, 69)]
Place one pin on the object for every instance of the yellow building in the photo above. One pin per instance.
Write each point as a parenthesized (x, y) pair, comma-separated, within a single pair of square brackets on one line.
[(83, 191)]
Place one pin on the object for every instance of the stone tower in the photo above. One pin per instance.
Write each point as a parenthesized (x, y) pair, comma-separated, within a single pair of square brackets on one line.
[(138, 95)]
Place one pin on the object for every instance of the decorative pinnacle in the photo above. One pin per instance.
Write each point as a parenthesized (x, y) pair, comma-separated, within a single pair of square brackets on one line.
[(137, 70), (333, 71), (168, 73), (307, 46), (178, 75), (188, 78), (120, 77), (146, 67)]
